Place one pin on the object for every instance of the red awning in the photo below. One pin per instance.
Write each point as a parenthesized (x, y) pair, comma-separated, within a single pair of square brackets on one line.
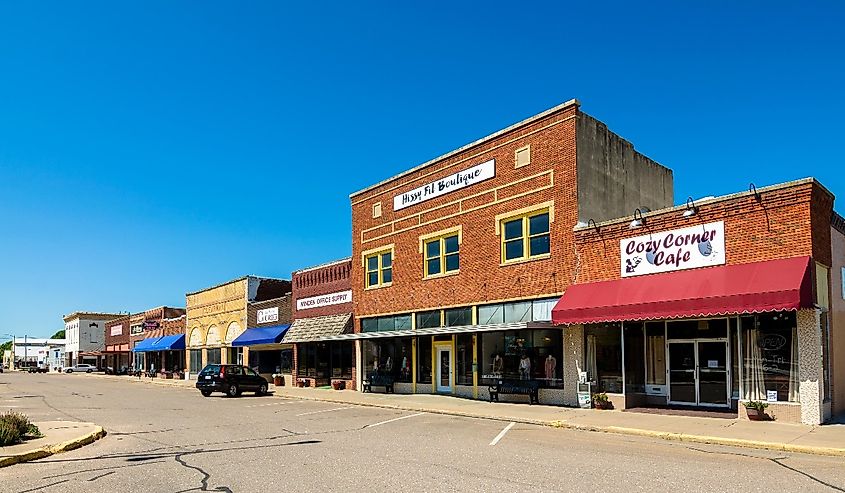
[(725, 290)]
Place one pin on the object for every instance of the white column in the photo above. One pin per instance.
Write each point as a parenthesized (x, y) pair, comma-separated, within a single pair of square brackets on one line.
[(810, 374), (573, 362)]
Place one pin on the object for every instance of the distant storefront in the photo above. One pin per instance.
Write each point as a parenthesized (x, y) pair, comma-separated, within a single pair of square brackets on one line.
[(267, 323), (163, 347)]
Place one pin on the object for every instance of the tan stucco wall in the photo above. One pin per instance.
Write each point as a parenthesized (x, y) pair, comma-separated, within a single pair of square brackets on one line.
[(837, 326), (215, 316)]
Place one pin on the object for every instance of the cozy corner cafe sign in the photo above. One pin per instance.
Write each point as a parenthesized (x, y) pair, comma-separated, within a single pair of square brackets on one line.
[(678, 249), (461, 179)]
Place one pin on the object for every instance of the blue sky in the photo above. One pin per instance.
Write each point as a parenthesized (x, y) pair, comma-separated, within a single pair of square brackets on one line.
[(153, 148)]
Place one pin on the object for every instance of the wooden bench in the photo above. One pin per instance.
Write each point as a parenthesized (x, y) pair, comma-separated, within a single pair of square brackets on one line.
[(531, 388), (385, 381)]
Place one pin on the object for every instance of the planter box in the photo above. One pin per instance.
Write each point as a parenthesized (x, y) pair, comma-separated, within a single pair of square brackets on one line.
[(755, 415), (338, 384), (279, 381)]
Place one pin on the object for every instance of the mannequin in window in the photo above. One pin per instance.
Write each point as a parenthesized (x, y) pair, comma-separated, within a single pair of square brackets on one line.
[(524, 367), (551, 367), (498, 364), (406, 366), (388, 365)]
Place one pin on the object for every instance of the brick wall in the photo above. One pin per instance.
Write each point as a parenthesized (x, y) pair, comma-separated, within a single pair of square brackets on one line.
[(117, 340), (333, 277), (283, 304), (779, 225), (550, 177)]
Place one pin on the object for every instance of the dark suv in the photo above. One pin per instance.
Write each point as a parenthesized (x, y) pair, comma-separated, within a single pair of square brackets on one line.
[(231, 380)]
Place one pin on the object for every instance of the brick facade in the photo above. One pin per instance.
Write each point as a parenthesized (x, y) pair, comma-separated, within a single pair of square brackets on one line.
[(330, 278), (122, 337), (283, 304)]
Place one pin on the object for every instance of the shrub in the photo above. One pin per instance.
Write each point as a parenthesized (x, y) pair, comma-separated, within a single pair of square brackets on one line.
[(9, 434), (34, 431), (18, 420), (756, 405)]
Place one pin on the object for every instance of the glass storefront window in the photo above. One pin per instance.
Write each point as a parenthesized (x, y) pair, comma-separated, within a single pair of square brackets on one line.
[(604, 356), (195, 360), (518, 312), (286, 360), (770, 356), (634, 363), (389, 356), (458, 316), (426, 320), (655, 356), (521, 354), (383, 324), (424, 360), (463, 357), (697, 329), (491, 314), (213, 356)]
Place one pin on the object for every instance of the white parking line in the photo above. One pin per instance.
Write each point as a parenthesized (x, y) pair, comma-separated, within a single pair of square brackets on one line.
[(502, 434), (394, 419), (323, 411)]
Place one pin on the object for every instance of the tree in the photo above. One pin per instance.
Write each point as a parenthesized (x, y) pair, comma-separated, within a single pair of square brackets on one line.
[(6, 346), (59, 335)]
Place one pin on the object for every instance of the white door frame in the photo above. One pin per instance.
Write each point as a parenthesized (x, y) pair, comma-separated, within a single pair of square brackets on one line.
[(697, 371), (441, 348)]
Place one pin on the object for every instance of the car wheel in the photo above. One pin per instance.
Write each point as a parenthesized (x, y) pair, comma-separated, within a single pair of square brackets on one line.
[(69, 371), (89, 371), (233, 390), (205, 393), (262, 389)]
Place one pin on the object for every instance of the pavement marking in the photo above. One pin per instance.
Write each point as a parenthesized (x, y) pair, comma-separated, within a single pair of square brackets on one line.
[(502, 434), (394, 419), (323, 411)]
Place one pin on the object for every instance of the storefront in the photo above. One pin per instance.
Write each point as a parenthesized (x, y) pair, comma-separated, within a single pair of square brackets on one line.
[(117, 350), (218, 315), (322, 310), (163, 355), (266, 353), (710, 305)]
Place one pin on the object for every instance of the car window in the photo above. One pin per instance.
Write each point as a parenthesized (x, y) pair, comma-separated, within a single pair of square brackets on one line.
[(210, 370), (250, 372), (233, 370)]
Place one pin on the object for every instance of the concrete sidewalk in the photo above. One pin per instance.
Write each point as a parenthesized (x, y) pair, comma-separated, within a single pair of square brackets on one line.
[(819, 440), (59, 436)]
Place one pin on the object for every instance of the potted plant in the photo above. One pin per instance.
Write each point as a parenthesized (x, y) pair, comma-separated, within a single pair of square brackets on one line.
[(338, 384), (600, 401), (278, 379), (756, 410)]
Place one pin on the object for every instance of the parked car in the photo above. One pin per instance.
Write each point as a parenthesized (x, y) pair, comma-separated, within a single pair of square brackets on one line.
[(37, 369), (123, 370), (82, 367), (231, 380)]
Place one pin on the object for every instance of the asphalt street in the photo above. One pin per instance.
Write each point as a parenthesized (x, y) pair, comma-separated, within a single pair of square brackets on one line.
[(170, 439)]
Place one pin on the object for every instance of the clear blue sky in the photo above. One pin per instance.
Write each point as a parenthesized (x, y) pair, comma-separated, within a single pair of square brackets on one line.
[(153, 148)]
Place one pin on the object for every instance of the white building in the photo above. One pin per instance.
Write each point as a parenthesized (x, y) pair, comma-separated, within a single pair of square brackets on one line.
[(33, 351), (85, 336)]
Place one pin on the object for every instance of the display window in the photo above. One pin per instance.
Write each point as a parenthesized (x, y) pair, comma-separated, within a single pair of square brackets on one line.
[(603, 360), (390, 356), (770, 357), (523, 355)]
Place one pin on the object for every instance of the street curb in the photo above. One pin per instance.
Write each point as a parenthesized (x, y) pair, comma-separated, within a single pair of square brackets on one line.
[(48, 450), (619, 430)]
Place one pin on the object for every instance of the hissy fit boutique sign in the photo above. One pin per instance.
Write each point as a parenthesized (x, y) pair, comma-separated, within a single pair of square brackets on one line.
[(459, 180), (678, 249)]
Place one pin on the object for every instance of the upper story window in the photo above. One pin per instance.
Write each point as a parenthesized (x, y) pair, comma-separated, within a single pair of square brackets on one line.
[(442, 255), (378, 265), (526, 236)]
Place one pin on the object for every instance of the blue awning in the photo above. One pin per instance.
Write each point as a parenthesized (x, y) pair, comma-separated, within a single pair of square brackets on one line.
[(261, 335), (170, 343), (145, 345)]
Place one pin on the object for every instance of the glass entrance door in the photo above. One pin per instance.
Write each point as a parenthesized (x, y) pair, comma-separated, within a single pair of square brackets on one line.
[(444, 369), (682, 388), (713, 373), (698, 373)]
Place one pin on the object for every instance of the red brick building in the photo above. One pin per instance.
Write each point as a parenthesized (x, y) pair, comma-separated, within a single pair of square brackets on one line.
[(152, 337), (713, 303), (322, 319), (456, 263), (269, 356), (117, 352)]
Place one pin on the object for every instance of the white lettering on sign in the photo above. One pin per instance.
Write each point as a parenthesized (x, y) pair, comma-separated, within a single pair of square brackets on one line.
[(268, 315), (461, 179), (324, 300), (687, 248), (117, 330)]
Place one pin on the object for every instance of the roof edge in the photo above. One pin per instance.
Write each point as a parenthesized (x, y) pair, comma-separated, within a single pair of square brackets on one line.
[(320, 266), (530, 119)]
